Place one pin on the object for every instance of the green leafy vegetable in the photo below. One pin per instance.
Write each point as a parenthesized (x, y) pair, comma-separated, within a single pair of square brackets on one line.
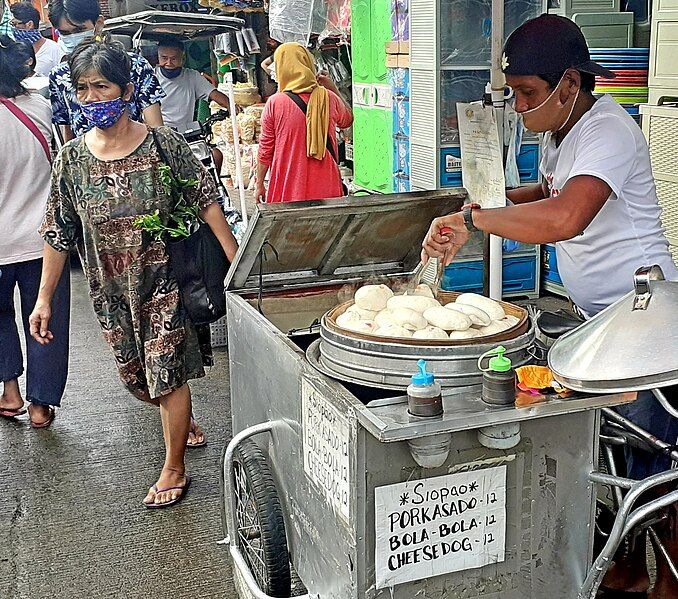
[(183, 217)]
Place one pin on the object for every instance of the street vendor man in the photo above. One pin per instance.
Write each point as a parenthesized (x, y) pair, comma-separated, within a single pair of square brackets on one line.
[(598, 204), (183, 88)]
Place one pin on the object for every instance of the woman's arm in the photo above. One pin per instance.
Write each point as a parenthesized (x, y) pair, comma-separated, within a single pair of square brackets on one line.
[(52, 266), (153, 116), (266, 64), (216, 220), (260, 189), (266, 149), (346, 112)]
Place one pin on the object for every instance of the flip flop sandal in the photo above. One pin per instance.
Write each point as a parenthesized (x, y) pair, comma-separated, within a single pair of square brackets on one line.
[(11, 413), (47, 423), (183, 488), (204, 437)]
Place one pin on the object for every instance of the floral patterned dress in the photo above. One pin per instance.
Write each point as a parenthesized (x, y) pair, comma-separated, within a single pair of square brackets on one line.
[(92, 205)]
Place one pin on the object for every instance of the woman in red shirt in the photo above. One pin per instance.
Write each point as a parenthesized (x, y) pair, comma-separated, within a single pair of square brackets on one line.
[(300, 149)]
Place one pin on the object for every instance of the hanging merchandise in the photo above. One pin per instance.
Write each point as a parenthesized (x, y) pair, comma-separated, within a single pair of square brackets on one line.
[(512, 140), (251, 41), (231, 6), (297, 20)]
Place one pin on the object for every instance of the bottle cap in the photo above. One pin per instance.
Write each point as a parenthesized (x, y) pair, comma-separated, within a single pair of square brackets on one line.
[(423, 378), (500, 363)]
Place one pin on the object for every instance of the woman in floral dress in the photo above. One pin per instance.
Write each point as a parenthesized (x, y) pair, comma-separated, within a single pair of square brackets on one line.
[(101, 183)]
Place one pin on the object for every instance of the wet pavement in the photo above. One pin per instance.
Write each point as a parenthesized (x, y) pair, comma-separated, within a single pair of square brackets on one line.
[(71, 520)]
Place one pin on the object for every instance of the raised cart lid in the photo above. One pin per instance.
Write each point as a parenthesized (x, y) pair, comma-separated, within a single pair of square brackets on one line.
[(161, 24), (341, 238)]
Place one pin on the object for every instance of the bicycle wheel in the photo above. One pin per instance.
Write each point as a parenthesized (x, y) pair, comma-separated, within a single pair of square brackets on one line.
[(261, 526)]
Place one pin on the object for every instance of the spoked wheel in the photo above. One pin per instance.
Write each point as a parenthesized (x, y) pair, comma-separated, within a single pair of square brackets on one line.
[(261, 527)]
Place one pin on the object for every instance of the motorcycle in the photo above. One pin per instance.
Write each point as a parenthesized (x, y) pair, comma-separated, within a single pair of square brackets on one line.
[(200, 142), (202, 146)]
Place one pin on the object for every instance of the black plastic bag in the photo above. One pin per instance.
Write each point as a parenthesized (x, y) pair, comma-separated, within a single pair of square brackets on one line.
[(199, 264)]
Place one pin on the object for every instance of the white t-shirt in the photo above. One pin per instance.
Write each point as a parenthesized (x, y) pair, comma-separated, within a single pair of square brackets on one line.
[(37, 83), (47, 57), (182, 92), (24, 179), (597, 266)]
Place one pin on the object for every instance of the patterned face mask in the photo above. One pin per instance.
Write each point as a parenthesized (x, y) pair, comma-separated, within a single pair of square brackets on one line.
[(104, 114), (26, 35)]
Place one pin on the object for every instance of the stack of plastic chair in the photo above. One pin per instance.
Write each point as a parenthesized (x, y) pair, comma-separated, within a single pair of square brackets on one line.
[(630, 65)]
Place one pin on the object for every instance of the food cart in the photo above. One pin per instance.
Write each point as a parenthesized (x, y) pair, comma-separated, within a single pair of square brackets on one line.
[(330, 480)]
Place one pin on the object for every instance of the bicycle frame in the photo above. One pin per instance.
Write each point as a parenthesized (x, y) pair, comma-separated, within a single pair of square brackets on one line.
[(628, 518)]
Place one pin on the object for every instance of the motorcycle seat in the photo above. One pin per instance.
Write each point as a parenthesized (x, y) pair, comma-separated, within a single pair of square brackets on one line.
[(556, 324)]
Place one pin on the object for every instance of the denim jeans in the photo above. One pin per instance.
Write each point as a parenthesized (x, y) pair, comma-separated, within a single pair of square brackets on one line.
[(46, 365), (648, 413)]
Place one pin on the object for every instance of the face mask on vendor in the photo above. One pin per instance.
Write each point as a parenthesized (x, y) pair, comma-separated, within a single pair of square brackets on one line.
[(551, 114), (170, 73)]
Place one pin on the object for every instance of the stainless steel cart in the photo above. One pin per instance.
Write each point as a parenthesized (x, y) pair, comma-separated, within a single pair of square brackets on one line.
[(325, 473)]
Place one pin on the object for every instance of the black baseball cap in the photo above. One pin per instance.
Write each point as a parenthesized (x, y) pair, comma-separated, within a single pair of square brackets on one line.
[(549, 44)]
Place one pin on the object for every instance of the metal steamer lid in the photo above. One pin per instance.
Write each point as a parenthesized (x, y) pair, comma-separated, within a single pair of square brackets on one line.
[(294, 243), (630, 346)]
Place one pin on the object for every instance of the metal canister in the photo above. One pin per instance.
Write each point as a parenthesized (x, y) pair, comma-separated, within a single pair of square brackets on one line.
[(499, 379), (424, 395)]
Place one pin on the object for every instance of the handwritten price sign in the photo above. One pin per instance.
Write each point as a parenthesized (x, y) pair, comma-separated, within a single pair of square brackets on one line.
[(325, 444), (439, 525)]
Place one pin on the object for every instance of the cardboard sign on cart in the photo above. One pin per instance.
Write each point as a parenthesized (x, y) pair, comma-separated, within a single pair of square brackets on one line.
[(437, 525)]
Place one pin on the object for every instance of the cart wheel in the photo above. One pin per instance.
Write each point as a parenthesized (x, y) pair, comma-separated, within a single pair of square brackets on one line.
[(261, 527)]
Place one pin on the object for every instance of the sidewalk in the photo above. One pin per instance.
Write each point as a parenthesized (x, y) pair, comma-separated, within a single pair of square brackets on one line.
[(71, 520)]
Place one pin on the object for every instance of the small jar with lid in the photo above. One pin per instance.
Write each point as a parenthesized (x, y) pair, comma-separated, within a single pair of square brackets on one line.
[(499, 379), (424, 395)]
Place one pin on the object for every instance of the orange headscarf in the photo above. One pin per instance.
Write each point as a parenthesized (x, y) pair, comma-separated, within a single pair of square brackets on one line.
[(295, 71)]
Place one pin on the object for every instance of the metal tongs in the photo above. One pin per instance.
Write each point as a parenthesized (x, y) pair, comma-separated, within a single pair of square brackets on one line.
[(418, 272)]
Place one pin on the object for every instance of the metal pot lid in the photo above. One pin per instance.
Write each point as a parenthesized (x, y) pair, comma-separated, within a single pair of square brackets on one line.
[(630, 346), (292, 243)]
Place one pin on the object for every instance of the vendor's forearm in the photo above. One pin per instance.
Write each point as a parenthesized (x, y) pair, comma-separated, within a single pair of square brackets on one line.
[(527, 193), (535, 222), (53, 263), (216, 220), (220, 98)]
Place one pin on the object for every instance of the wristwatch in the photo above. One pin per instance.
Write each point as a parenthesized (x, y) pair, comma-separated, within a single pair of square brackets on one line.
[(467, 211)]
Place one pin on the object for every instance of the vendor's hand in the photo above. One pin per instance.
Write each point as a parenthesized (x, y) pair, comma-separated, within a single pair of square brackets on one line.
[(437, 245), (39, 321), (260, 193)]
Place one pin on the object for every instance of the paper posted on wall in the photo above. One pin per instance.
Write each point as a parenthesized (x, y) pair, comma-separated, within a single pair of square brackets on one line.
[(482, 166)]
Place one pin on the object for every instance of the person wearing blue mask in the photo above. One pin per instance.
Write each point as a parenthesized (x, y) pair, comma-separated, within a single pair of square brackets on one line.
[(102, 182), (26, 28), (77, 21), (183, 86)]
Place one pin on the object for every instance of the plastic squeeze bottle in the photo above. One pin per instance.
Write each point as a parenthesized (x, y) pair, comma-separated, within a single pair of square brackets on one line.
[(499, 379), (424, 394)]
